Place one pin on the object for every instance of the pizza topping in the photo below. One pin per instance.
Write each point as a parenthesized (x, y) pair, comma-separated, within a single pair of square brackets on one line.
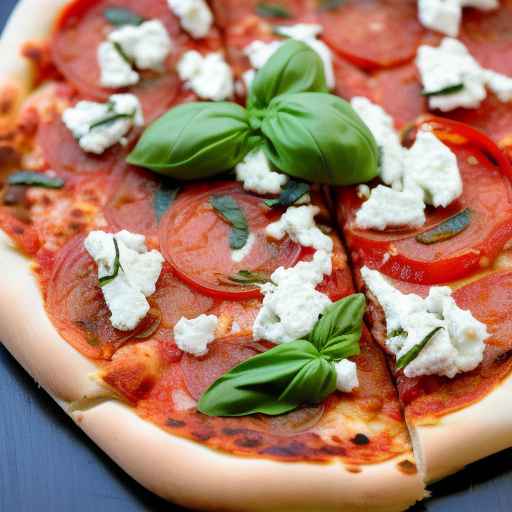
[(194, 335), (447, 229), (210, 77), (195, 16), (231, 212), (293, 193), (452, 78), (268, 10), (445, 15), (255, 174), (238, 255), (287, 376), (346, 376), (127, 274), (431, 336), (35, 179), (120, 16), (144, 46), (98, 126)]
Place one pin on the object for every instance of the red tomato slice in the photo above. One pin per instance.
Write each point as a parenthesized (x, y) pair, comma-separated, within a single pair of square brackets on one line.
[(194, 240), (82, 27), (486, 175), (374, 33), (77, 308), (350, 80)]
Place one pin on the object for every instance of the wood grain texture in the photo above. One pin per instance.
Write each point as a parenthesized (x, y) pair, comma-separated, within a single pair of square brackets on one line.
[(46, 461)]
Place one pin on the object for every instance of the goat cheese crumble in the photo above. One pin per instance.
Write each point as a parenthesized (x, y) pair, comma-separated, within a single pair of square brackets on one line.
[(195, 16), (458, 346), (99, 126), (451, 65), (194, 335), (209, 76), (138, 273), (144, 47), (346, 376)]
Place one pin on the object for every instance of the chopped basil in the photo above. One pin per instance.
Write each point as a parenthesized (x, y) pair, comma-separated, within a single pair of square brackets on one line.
[(119, 49), (289, 375), (163, 198), (231, 212), (447, 229), (115, 270), (452, 89), (329, 5), (396, 332), (415, 351), (242, 278), (290, 194), (110, 119), (35, 179), (120, 16), (272, 11)]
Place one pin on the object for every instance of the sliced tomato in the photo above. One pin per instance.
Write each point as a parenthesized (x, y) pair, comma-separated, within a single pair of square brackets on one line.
[(490, 300), (77, 308), (374, 33), (62, 153), (82, 27), (195, 241), (223, 355), (486, 175), (350, 80)]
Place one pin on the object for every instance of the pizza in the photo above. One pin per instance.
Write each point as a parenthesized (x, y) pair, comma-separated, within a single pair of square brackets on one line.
[(260, 252)]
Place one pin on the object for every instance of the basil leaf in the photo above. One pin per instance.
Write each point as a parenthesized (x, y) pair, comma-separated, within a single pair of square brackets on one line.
[(452, 89), (196, 140), (337, 333), (290, 194), (120, 16), (415, 351), (163, 198), (274, 382), (447, 229), (35, 179), (272, 11), (228, 208), (115, 268), (319, 138), (242, 278), (119, 49), (109, 120), (295, 67), (330, 5)]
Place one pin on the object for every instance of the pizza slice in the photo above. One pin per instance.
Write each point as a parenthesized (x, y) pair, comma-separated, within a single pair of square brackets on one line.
[(443, 251)]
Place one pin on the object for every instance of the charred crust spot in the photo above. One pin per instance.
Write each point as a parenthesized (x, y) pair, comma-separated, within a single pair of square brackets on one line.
[(336, 451), (360, 440), (248, 442), (294, 449), (407, 467), (8, 101), (171, 422), (233, 431), (353, 469), (202, 436)]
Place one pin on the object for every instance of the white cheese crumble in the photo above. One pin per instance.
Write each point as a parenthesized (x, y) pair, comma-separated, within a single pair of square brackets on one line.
[(260, 52), (445, 15), (195, 16), (146, 46), (193, 336), (82, 118), (136, 279), (238, 255), (449, 65), (298, 222), (256, 175), (346, 376), (210, 77), (457, 347)]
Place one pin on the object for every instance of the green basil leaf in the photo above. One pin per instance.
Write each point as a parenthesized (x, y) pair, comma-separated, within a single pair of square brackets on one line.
[(35, 179), (231, 212), (338, 331), (115, 268), (119, 49), (330, 5), (319, 138), (272, 11), (290, 194), (452, 89), (109, 120), (447, 229), (415, 351), (119, 16), (242, 278), (263, 384), (196, 140), (295, 67), (163, 197)]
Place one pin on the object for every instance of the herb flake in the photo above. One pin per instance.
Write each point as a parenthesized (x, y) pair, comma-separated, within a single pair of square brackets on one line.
[(412, 354), (272, 11), (109, 120), (330, 5), (35, 179), (120, 16), (163, 198), (447, 229), (115, 270), (231, 212), (242, 278), (291, 193), (451, 89)]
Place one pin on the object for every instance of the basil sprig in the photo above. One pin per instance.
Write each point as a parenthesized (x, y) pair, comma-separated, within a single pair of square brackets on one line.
[(451, 89), (35, 179), (120, 16), (115, 268), (292, 374), (231, 212), (304, 131), (415, 351), (291, 193)]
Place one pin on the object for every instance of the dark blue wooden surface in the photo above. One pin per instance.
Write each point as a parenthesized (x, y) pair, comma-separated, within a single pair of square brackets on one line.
[(47, 463)]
